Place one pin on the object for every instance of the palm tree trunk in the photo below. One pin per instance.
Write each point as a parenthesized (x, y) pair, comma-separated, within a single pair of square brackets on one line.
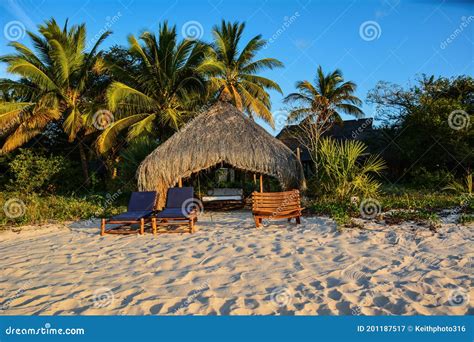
[(85, 168)]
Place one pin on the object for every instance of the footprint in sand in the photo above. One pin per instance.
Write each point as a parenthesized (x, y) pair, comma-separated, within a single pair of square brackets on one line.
[(251, 303), (335, 295)]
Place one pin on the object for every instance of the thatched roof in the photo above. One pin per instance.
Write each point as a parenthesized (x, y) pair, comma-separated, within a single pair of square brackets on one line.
[(222, 134)]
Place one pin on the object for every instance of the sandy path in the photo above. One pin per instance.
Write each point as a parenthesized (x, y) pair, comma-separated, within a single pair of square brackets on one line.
[(229, 267)]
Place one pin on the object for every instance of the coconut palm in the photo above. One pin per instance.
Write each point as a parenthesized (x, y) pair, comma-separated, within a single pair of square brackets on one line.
[(161, 94), (325, 100), (233, 69), (55, 82), (318, 106)]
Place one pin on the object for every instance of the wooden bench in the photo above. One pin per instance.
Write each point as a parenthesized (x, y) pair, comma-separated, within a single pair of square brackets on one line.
[(276, 205), (224, 198)]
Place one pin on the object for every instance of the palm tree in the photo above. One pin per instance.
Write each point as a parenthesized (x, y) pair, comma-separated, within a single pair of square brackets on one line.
[(318, 106), (326, 100), (233, 72), (54, 86), (161, 94)]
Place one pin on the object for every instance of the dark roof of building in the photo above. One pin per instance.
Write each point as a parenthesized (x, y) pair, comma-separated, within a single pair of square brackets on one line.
[(349, 129)]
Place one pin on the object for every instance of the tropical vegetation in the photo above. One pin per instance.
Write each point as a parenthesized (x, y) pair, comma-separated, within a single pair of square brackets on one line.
[(317, 107), (57, 85), (76, 122)]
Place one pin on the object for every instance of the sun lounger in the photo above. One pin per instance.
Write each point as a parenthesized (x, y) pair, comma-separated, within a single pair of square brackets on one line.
[(180, 210), (140, 209)]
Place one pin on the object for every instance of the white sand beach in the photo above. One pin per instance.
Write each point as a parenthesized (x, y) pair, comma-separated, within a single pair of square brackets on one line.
[(230, 268)]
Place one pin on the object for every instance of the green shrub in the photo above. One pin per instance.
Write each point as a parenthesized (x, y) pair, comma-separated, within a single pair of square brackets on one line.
[(345, 170), (423, 179), (466, 187), (127, 163), (21, 208), (466, 218), (418, 200), (340, 212), (34, 173)]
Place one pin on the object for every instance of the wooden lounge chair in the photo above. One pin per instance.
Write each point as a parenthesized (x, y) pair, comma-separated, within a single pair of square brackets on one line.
[(179, 210), (140, 209), (276, 205)]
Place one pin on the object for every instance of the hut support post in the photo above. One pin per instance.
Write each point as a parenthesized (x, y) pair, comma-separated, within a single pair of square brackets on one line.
[(261, 183), (180, 182)]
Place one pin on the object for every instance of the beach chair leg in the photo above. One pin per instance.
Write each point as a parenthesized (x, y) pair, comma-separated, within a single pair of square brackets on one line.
[(289, 220), (257, 221), (102, 227), (298, 220), (142, 226), (191, 225), (153, 225)]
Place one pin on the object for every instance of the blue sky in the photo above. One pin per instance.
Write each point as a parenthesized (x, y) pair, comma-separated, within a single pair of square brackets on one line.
[(402, 38)]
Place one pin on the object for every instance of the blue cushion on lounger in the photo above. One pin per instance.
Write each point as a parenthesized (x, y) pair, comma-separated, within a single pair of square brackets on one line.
[(177, 196), (131, 215), (172, 213), (143, 200)]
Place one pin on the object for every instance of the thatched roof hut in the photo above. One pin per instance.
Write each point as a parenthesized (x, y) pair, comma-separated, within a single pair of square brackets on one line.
[(222, 134)]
